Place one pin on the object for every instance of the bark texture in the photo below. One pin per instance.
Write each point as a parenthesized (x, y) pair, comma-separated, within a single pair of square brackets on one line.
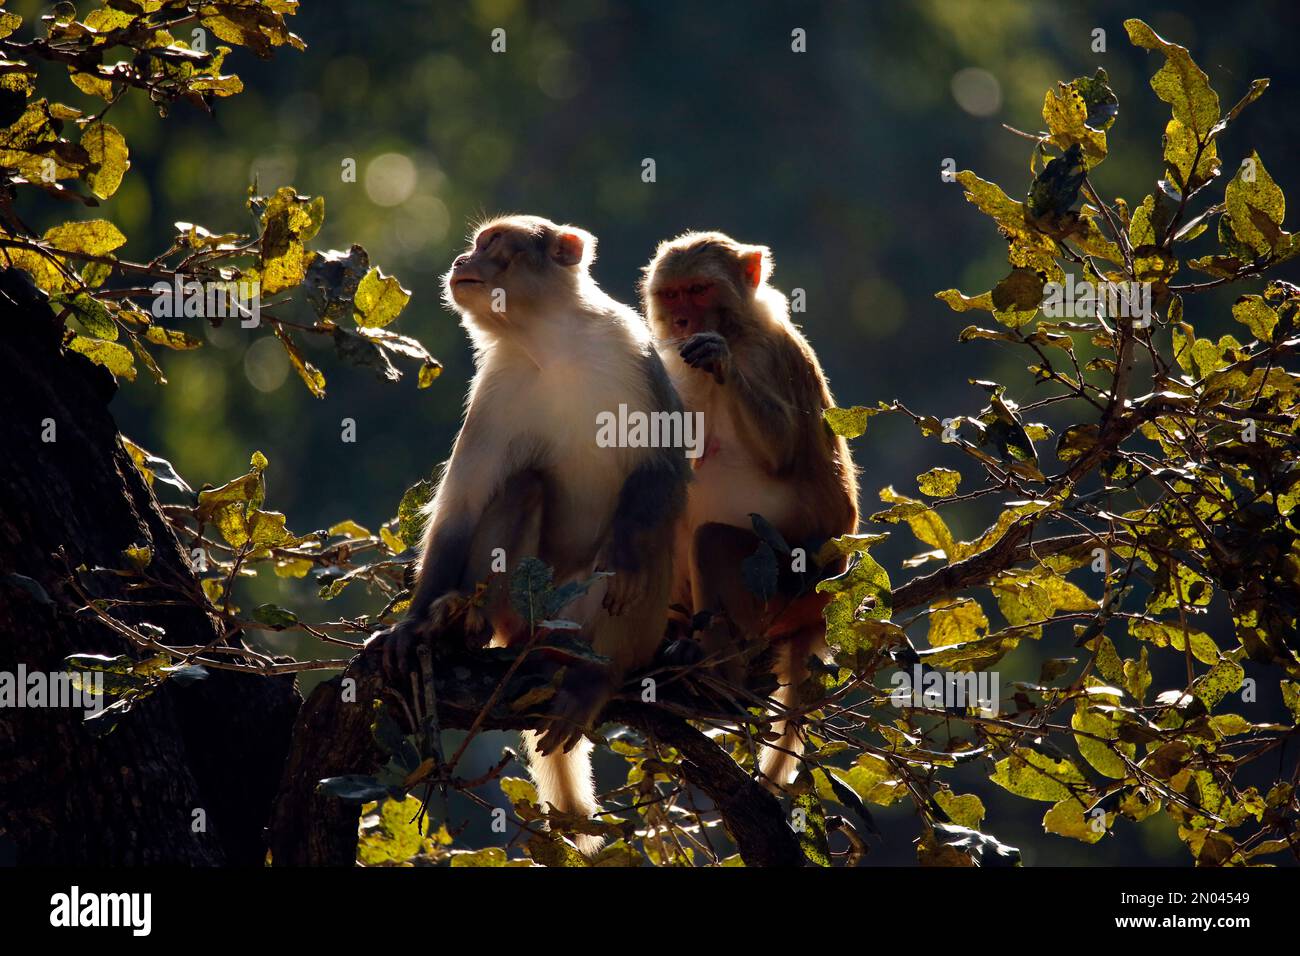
[(218, 745)]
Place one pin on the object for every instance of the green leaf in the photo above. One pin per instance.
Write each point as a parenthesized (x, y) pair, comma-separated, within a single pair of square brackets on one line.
[(1252, 312), (361, 350), (848, 422), (392, 835), (860, 594), (1067, 818), (1254, 210), (1076, 441), (94, 237), (171, 338), (1092, 724), (518, 790), (116, 358), (410, 511), (428, 372), (961, 621), (1179, 82), (1078, 112), (492, 856), (1218, 682), (926, 523), (311, 376), (349, 529), (379, 299), (90, 313), (274, 616), (109, 158), (288, 220), (811, 828), (1036, 776), (965, 810), (939, 482), (1171, 634)]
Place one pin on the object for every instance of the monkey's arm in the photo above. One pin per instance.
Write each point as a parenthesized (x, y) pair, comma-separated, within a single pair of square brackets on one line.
[(776, 397), (638, 550), (649, 504), (467, 485)]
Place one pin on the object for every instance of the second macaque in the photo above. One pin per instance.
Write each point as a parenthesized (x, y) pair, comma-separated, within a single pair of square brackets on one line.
[(727, 341)]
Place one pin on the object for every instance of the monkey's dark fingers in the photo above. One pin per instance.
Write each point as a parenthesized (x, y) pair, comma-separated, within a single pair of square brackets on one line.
[(615, 599), (699, 352), (392, 645), (555, 737)]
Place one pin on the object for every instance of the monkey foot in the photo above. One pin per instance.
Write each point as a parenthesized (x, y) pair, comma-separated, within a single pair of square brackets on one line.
[(451, 608), (574, 708)]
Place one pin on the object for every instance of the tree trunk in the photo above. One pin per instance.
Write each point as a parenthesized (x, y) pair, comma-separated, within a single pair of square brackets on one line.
[(217, 745)]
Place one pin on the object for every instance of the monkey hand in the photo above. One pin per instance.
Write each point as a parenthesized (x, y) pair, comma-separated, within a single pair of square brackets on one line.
[(396, 647), (397, 644), (584, 691), (451, 607), (708, 352), (628, 582)]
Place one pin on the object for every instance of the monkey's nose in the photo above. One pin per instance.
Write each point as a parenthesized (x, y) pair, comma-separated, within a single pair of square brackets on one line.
[(460, 260)]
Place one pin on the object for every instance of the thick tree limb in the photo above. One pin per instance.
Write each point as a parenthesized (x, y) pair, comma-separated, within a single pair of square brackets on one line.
[(333, 738), (980, 568)]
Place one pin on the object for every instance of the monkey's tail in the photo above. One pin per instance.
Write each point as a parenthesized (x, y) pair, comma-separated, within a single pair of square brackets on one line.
[(564, 781), (779, 762)]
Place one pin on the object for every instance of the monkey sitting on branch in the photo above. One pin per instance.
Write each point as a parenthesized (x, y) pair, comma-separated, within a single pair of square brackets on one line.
[(528, 478), (730, 348)]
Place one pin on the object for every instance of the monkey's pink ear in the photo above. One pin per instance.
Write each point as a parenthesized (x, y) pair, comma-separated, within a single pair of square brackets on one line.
[(755, 265), (571, 247)]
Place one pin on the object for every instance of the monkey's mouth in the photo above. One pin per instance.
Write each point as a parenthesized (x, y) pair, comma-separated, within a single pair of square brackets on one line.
[(465, 280)]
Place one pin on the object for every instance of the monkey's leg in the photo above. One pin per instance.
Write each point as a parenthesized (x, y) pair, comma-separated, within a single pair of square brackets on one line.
[(509, 531), (718, 589)]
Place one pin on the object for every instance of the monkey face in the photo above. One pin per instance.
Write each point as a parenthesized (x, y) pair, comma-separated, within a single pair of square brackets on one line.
[(516, 260), (696, 280), (680, 307)]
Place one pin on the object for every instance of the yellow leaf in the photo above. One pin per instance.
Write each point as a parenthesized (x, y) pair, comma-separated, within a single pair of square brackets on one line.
[(116, 358), (108, 156), (379, 299)]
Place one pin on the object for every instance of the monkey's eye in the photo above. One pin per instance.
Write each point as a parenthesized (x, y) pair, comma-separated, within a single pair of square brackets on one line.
[(698, 289), (669, 294)]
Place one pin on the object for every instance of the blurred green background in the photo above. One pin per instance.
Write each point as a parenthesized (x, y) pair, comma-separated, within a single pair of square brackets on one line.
[(831, 157)]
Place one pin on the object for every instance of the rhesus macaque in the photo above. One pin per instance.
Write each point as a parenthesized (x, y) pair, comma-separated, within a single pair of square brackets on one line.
[(526, 475), (730, 348)]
